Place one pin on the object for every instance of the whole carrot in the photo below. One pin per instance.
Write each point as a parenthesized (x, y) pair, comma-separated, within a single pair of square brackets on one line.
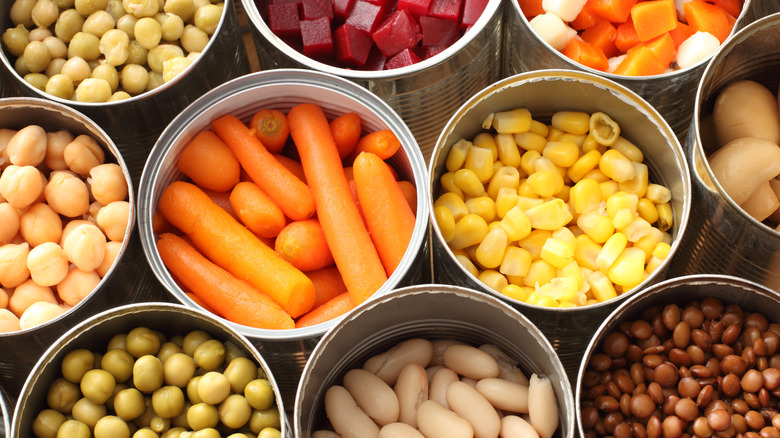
[(291, 165), (388, 215), (327, 284), (346, 130), (257, 210), (384, 143), (235, 300), (209, 162), (227, 243), (270, 127), (410, 192), (334, 308), (345, 233), (290, 193), (302, 243)]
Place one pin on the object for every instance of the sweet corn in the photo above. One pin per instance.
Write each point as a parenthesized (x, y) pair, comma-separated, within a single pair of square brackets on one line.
[(574, 122), (457, 155), (559, 288), (515, 292), (469, 230), (615, 165), (468, 181), (567, 305), (628, 149), (578, 139), (516, 262), (525, 190), (490, 251), (590, 144), (525, 202), (621, 200), (531, 141), (622, 219), (638, 184), (480, 160), (584, 194), (485, 140), (665, 217), (557, 252), (493, 279), (658, 193), (554, 133), (543, 163), (506, 199), (562, 153), (539, 128), (597, 175), (604, 130), (448, 184), (540, 272), (527, 161), (516, 224), (467, 264), (497, 165), (545, 183), (563, 194), (596, 223), (508, 151), (566, 235), (648, 242), (647, 211), (506, 176), (611, 250), (493, 224), (454, 203), (601, 287), (573, 271), (488, 122), (545, 301), (550, 215), (513, 121), (534, 241), (661, 250), (637, 229), (584, 164), (629, 267), (445, 221), (653, 264), (483, 206), (586, 252)]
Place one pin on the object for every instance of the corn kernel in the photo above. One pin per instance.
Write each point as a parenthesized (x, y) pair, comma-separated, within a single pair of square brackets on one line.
[(616, 166), (550, 215), (591, 144), (597, 175), (544, 163), (584, 164), (487, 123), (491, 250), (573, 271), (596, 223), (516, 224), (516, 262), (513, 121), (544, 183), (531, 141), (493, 279), (586, 252), (636, 229), (661, 250), (562, 153), (445, 221), (638, 184), (628, 268), (525, 202), (566, 305), (601, 287), (628, 149), (559, 288), (578, 139), (575, 230), (611, 250), (540, 272), (527, 161), (647, 211), (515, 292), (506, 199), (566, 235), (506, 176), (605, 130), (448, 184), (557, 252), (480, 160), (575, 122), (454, 203), (554, 133), (534, 241), (592, 301), (653, 264), (539, 128), (608, 188), (585, 194), (493, 224), (508, 151), (468, 181), (665, 217), (483, 206), (545, 301), (619, 201), (457, 155), (648, 242), (525, 190), (658, 193), (469, 230), (467, 264), (666, 237), (622, 219), (497, 165), (485, 140)]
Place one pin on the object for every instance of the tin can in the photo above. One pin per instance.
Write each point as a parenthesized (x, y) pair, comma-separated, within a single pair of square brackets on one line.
[(423, 94), (135, 123), (96, 332), (285, 350), (671, 93), (7, 84), (723, 238), (114, 288), (5, 414), (430, 311), (750, 296), (543, 93)]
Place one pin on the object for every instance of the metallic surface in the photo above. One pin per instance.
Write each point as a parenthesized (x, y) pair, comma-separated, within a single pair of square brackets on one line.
[(285, 350), (424, 94), (431, 312), (543, 93)]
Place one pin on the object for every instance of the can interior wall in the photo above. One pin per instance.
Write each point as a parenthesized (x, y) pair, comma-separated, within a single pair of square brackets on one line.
[(723, 238), (431, 312), (423, 94), (543, 93), (5, 417)]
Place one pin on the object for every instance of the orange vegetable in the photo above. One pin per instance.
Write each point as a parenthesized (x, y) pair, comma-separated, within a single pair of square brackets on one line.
[(586, 54), (663, 48), (626, 36), (733, 7), (354, 193), (616, 11), (227, 243), (209, 162), (640, 61), (585, 19), (203, 304), (705, 17), (410, 193), (232, 298), (389, 217), (383, 143), (302, 243), (653, 18), (256, 210), (327, 283), (290, 193), (348, 240), (334, 308), (346, 129), (531, 8), (680, 33), (291, 165), (602, 35), (270, 127)]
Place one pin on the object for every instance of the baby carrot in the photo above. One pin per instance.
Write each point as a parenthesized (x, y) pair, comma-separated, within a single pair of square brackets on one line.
[(291, 165), (209, 162), (410, 192), (353, 192), (389, 217), (202, 303), (334, 308), (234, 299), (302, 243), (227, 243), (271, 128), (256, 210), (347, 237), (327, 283), (222, 199), (383, 143), (290, 193), (346, 130)]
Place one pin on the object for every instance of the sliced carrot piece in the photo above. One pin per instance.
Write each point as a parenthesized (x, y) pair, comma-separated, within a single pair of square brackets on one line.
[(640, 62), (616, 11), (626, 36), (704, 17), (733, 7), (586, 54), (531, 8), (585, 19), (602, 35), (681, 33), (663, 48), (653, 18)]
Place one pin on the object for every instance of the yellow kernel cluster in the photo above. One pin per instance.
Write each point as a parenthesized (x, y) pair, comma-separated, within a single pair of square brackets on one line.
[(555, 215)]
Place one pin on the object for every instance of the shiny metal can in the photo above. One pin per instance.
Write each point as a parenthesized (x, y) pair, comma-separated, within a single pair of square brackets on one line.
[(723, 238), (6, 416), (423, 94), (543, 93), (429, 311), (95, 333), (285, 350)]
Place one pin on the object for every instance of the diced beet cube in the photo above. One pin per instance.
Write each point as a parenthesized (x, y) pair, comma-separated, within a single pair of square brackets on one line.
[(342, 8), (418, 8), (313, 9), (400, 31), (386, 4), (438, 31), (316, 37), (283, 19), (376, 60), (366, 16), (430, 51), (447, 9), (472, 10), (402, 59), (352, 45)]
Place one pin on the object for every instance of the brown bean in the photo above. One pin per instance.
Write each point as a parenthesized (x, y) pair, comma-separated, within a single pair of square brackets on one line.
[(641, 329), (652, 360), (600, 362), (754, 420), (642, 405), (705, 396), (613, 389), (654, 427), (733, 364), (711, 308), (637, 372), (757, 320), (750, 334), (659, 328), (590, 378), (681, 334), (701, 338), (611, 420), (671, 316), (656, 392), (701, 428), (679, 357), (689, 387), (693, 316), (700, 371), (752, 400), (615, 344), (730, 386), (771, 378), (716, 331), (772, 342), (666, 375), (622, 430), (750, 356), (589, 415), (696, 354), (770, 432), (625, 404), (739, 406), (672, 427), (624, 382), (669, 403), (719, 419), (731, 333), (752, 381), (634, 353), (606, 403), (595, 392), (686, 409)]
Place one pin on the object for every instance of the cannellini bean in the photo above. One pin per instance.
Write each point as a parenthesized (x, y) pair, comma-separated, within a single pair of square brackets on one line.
[(470, 362), (439, 345), (82, 154), (108, 183), (21, 185), (504, 394), (508, 369), (8, 321), (436, 421), (437, 390), (431, 370), (13, 264), (39, 313), (28, 293), (746, 109), (40, 224), (543, 410), (77, 285), (325, 434), (347, 418), (375, 397), (56, 142), (411, 388), (744, 164), (85, 247), (9, 222), (47, 264), (762, 203), (28, 146), (67, 194), (469, 381), (389, 364), (513, 426), (113, 219), (467, 402), (399, 430), (112, 251)]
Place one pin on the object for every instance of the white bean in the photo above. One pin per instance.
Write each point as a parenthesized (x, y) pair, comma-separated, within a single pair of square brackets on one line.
[(470, 362), (399, 430), (504, 394), (442, 379), (467, 402), (388, 365), (436, 421), (347, 418), (508, 369), (515, 427), (543, 411), (411, 390), (375, 397), (439, 345)]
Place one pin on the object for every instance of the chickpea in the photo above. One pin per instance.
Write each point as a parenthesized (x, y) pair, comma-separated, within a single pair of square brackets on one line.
[(126, 23), (202, 415), (174, 67), (145, 433), (182, 8), (39, 34), (3, 298), (141, 8), (138, 54), (68, 25), (171, 25), (66, 193), (8, 321), (9, 222), (155, 80), (44, 13), (28, 293), (213, 387), (86, 7), (115, 46), (97, 385), (98, 23), (60, 85), (93, 90), (28, 146), (20, 67), (114, 219), (134, 78), (16, 39), (77, 285), (36, 57), (47, 422), (40, 224), (47, 263), (84, 45), (148, 32), (269, 432), (147, 373), (56, 142), (77, 69), (36, 80), (57, 48), (88, 412), (178, 369), (193, 39), (21, 185), (85, 247), (39, 313), (207, 18), (108, 73), (82, 154), (13, 264), (119, 95), (108, 183), (21, 12), (209, 355), (111, 253)]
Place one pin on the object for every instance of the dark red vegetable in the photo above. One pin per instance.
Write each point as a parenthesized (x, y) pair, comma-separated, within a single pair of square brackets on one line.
[(316, 36), (397, 33), (352, 45)]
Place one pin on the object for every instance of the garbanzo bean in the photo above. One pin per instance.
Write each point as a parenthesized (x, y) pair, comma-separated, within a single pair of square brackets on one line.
[(183, 8), (77, 285), (47, 422), (174, 67), (108, 73), (21, 12), (28, 146), (85, 248), (86, 7), (84, 45), (68, 25), (98, 23), (207, 18), (116, 9), (108, 183), (141, 8), (133, 78), (119, 95), (57, 48), (13, 266), (77, 69), (40, 224), (171, 25), (21, 185), (36, 56), (113, 219), (160, 54), (47, 264), (82, 154), (126, 23), (37, 80), (44, 13), (16, 39), (93, 90), (60, 85), (193, 39), (27, 294), (147, 32), (9, 222)]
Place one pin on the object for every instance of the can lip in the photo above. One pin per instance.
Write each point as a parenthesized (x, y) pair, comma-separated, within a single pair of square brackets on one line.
[(259, 24), (201, 107), (108, 144)]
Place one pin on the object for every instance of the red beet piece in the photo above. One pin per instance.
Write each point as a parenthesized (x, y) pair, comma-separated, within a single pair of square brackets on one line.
[(418, 8), (400, 31), (429, 51), (342, 8), (366, 16), (352, 45), (402, 59), (376, 60), (447, 9), (472, 9), (438, 31), (316, 37), (313, 9), (283, 19), (386, 4)]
